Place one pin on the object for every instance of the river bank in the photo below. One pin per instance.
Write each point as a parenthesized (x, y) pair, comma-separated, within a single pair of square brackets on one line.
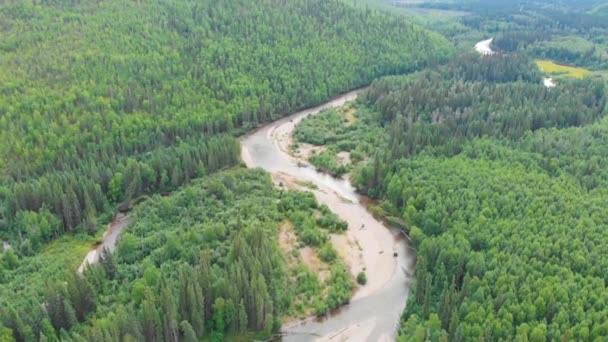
[(374, 311), (109, 240), (484, 48)]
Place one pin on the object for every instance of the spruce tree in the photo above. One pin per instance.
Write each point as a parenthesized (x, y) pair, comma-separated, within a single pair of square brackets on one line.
[(169, 315), (188, 333), (420, 279), (427, 295), (150, 319)]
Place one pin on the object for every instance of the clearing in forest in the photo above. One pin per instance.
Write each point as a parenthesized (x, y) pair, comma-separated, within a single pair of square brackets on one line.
[(550, 67)]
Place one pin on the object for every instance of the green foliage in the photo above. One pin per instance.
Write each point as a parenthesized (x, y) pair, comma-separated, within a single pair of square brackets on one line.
[(321, 129), (501, 184), (310, 230), (24, 280), (38, 227), (330, 221), (326, 162), (355, 130), (361, 278), (340, 287), (167, 268), (505, 210), (327, 253), (438, 111), (112, 100)]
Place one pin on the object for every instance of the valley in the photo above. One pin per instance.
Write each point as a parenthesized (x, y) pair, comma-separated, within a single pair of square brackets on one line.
[(303, 170)]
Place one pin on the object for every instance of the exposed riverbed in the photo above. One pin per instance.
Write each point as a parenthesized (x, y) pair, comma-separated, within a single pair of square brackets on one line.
[(110, 237), (369, 246), (484, 48), (374, 312)]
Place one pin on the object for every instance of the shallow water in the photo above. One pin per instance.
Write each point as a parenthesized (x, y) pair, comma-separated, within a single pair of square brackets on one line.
[(483, 47), (374, 312), (110, 237)]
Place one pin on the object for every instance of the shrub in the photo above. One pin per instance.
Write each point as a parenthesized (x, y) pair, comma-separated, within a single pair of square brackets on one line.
[(361, 278), (327, 253)]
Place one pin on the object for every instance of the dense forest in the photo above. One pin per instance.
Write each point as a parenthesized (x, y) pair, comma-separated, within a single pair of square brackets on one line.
[(114, 105), (568, 32), (601, 10), (106, 101), (442, 108), (203, 262), (500, 183)]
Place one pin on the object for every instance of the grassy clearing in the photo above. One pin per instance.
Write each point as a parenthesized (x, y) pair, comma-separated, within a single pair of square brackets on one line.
[(28, 280), (552, 68), (70, 250)]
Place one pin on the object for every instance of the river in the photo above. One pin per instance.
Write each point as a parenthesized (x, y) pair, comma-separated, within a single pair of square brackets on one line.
[(484, 48), (374, 312), (108, 242)]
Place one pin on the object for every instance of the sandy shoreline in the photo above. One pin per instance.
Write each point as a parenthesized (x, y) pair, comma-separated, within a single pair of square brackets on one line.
[(110, 237), (374, 312), (370, 244)]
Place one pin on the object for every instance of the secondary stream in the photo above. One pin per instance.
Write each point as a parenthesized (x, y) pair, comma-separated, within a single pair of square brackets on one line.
[(484, 48), (374, 312), (109, 240)]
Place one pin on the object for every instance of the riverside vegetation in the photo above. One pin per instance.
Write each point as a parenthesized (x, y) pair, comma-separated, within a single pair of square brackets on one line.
[(501, 184), (107, 104), (499, 181), (201, 262)]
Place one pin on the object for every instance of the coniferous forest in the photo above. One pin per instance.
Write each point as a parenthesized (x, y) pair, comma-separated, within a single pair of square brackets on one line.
[(134, 109), (496, 212), (106, 104), (500, 183), (106, 101)]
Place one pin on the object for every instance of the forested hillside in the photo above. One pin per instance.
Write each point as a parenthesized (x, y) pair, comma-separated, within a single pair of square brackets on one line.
[(105, 101), (570, 32), (201, 263), (508, 235), (501, 184), (601, 10), (108, 104)]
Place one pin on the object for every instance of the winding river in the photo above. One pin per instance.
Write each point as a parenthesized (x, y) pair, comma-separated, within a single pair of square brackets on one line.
[(484, 48), (373, 313)]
